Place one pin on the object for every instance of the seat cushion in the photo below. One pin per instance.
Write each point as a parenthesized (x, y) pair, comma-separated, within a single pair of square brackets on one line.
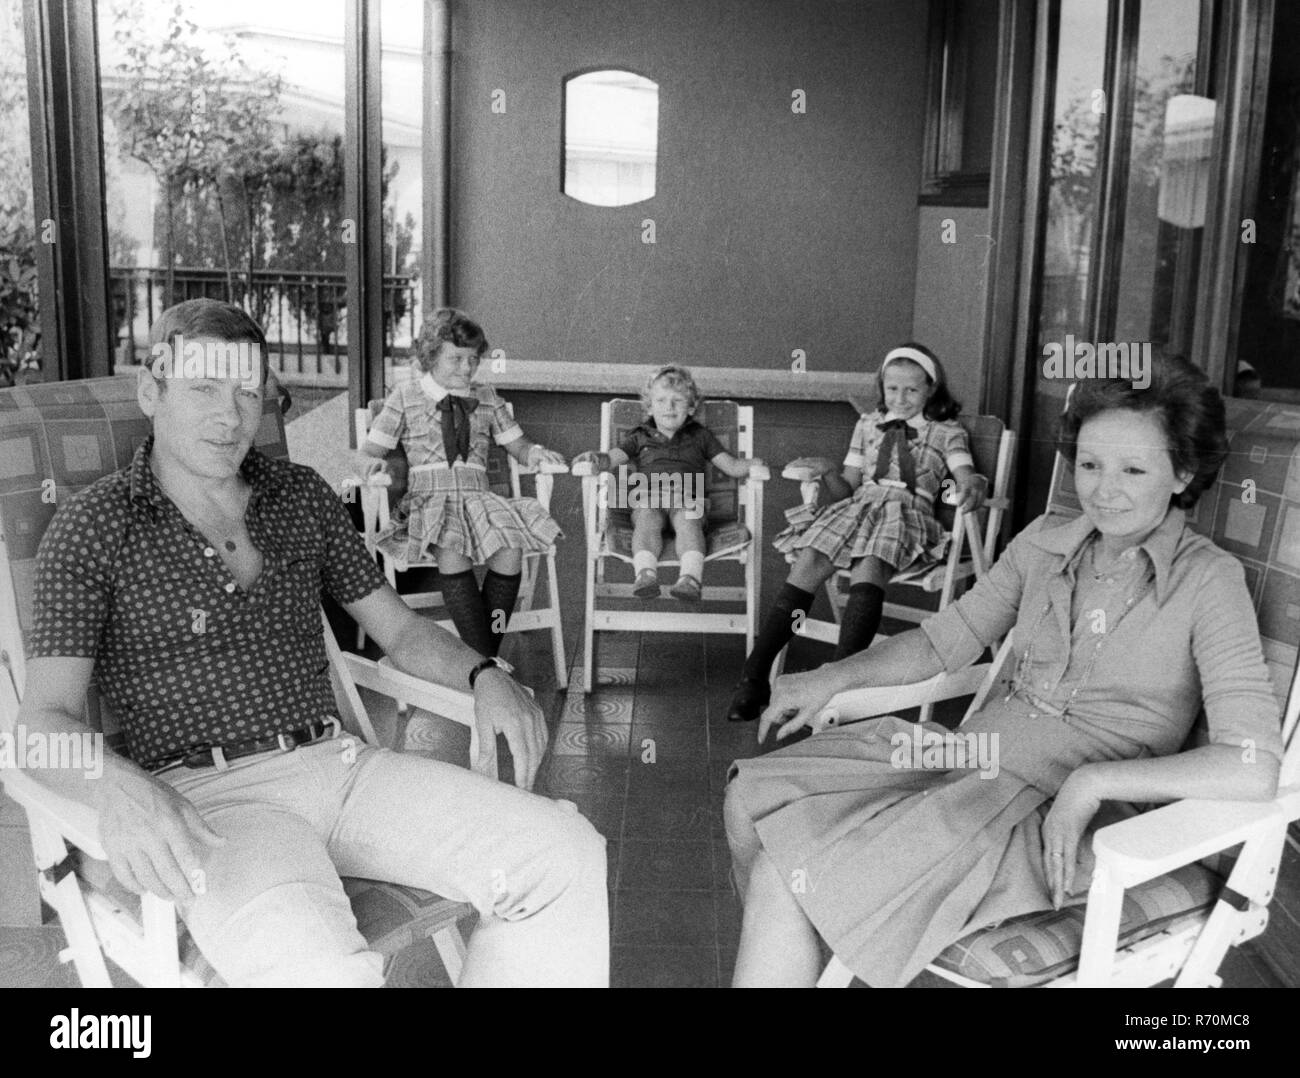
[(718, 541), (1039, 947), (390, 917)]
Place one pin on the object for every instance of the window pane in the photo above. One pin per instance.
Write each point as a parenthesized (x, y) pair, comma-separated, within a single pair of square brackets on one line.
[(402, 37), (223, 145), (611, 137), (20, 331), (1170, 157)]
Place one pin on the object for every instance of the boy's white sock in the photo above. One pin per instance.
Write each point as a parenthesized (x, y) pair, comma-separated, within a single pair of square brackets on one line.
[(693, 564), (643, 560)]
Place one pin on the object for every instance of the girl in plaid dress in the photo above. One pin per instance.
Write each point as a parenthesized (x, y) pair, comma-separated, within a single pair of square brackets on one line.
[(444, 423), (881, 513)]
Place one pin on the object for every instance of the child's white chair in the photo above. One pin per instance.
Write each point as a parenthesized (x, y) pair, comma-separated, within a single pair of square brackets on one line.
[(733, 532), (379, 495), (1164, 902), (74, 433), (972, 545)]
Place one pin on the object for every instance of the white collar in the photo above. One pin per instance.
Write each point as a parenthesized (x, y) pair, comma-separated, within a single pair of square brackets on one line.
[(437, 392), (916, 422)]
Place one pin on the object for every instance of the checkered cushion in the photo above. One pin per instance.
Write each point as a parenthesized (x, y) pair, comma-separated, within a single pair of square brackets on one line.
[(389, 916), (719, 541), (1040, 947)]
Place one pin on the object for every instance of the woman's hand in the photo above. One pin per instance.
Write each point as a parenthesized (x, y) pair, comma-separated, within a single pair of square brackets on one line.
[(1068, 818), (797, 699)]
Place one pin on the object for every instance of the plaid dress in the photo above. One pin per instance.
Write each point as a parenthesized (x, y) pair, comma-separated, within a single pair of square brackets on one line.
[(882, 518), (453, 507)]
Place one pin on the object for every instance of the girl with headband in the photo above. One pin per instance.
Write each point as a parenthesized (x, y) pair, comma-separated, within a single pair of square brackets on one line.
[(880, 516)]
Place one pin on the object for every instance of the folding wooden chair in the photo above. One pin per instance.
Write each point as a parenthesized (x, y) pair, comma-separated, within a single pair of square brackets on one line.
[(733, 532), (63, 437), (381, 493), (1164, 902), (972, 544)]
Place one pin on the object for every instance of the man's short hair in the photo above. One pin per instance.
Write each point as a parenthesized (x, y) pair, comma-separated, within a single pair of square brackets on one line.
[(196, 318)]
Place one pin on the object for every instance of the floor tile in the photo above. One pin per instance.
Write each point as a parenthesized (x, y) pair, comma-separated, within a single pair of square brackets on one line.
[(562, 775), (667, 818), (665, 918), (597, 707), (664, 967), (668, 710), (669, 742), (665, 866), (590, 739), (680, 778)]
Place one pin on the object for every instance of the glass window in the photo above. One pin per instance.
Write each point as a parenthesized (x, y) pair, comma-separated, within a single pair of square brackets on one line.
[(20, 330), (611, 137), (223, 146)]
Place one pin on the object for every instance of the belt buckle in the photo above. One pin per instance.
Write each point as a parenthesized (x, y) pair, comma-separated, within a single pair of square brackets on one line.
[(285, 744)]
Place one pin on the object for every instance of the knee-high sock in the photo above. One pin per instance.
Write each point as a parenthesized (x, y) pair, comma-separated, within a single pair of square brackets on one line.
[(460, 593), (499, 594), (778, 627), (861, 619)]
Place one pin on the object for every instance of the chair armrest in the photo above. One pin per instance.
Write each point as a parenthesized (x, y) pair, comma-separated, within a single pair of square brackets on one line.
[(76, 821), (865, 703), (800, 472), (1156, 842), (584, 469), (761, 474), (373, 480)]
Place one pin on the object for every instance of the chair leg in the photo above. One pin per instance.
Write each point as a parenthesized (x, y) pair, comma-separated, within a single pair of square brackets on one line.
[(557, 631), (452, 951), (751, 599), (836, 975), (1249, 877), (589, 630), (83, 949)]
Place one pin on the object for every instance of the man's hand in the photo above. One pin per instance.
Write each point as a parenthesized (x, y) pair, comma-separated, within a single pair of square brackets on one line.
[(503, 706), (797, 699), (1071, 812), (155, 839)]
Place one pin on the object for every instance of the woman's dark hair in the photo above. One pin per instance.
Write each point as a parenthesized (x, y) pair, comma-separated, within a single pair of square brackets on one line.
[(210, 318), (941, 405), (448, 325), (1189, 410)]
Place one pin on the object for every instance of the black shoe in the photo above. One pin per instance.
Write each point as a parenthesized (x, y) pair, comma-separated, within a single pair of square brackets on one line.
[(748, 702)]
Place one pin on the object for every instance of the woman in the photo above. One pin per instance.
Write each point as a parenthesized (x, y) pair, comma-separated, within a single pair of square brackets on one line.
[(1125, 623)]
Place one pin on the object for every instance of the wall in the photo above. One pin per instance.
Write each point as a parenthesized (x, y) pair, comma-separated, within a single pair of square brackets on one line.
[(950, 281), (774, 231)]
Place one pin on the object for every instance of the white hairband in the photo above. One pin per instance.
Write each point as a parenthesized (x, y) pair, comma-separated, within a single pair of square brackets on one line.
[(916, 356)]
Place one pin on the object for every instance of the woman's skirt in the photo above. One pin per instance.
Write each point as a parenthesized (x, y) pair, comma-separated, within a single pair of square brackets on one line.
[(892, 858), (883, 522), (454, 510)]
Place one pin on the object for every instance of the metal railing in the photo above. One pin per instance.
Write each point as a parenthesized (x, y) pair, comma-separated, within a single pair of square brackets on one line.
[(304, 312)]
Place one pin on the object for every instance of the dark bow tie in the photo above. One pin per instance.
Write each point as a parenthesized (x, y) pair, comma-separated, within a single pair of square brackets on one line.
[(454, 413), (898, 432)]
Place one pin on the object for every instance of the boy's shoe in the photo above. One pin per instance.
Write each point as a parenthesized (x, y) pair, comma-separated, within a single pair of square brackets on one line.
[(647, 584), (687, 589)]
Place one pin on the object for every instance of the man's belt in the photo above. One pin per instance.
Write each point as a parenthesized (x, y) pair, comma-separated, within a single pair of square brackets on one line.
[(210, 755)]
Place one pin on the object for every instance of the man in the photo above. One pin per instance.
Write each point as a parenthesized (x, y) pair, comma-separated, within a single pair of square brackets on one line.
[(190, 583)]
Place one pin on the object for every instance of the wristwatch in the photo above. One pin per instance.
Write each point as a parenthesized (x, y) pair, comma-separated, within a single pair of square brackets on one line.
[(486, 664)]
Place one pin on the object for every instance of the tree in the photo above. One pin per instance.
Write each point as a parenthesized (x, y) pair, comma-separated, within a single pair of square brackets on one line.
[(192, 112)]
